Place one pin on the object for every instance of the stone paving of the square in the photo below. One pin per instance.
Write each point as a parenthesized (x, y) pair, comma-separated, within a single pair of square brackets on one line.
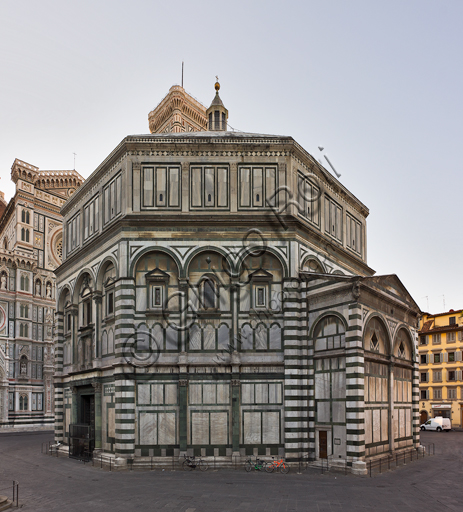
[(62, 484)]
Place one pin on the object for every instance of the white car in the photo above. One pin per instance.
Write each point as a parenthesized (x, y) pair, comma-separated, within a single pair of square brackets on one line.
[(438, 424)]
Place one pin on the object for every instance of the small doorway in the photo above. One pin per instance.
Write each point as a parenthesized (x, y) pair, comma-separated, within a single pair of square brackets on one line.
[(423, 417), (87, 412), (323, 444)]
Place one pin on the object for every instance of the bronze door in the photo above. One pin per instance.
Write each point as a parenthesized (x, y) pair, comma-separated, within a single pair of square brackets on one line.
[(323, 444)]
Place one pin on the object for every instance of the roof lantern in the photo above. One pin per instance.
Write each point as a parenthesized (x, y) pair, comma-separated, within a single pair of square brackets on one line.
[(217, 114)]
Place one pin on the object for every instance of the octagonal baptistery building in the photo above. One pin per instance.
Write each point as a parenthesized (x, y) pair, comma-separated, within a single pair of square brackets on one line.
[(215, 299)]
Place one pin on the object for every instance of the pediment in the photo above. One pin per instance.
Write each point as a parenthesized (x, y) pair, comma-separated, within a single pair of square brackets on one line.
[(260, 274), (393, 286), (157, 275)]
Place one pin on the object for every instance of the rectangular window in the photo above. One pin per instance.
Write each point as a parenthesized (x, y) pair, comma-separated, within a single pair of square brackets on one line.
[(333, 219), (437, 376), (436, 339), (148, 188), (209, 192), (73, 227), (451, 357), (110, 303), (423, 340), (308, 200), (353, 234), (451, 376), (437, 358), (174, 187), (157, 296), (209, 187), (437, 394), (452, 320), (450, 337), (423, 394), (91, 218), (424, 359), (245, 198), (196, 187), (260, 296), (161, 186), (112, 197), (452, 393), (257, 186)]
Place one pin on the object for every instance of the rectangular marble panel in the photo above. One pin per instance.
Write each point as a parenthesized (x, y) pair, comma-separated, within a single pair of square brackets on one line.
[(223, 393), (194, 392), (384, 425), (368, 426), (384, 393), (144, 396), (274, 393), (200, 428), (170, 391), (371, 389), (141, 299), (148, 428), (339, 450), (408, 422), (209, 394), (219, 428), (339, 385), (247, 393), (322, 386), (270, 427), (166, 428), (396, 423), (157, 394), (252, 430), (261, 393), (376, 425), (323, 412), (339, 412), (402, 423)]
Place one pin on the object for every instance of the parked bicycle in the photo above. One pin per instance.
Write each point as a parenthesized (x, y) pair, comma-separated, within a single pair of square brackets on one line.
[(192, 462), (258, 465), (277, 465)]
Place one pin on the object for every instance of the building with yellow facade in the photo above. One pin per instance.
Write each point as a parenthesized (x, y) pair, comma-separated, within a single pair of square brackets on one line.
[(440, 351)]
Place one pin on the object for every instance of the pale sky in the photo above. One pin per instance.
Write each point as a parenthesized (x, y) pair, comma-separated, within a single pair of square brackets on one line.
[(377, 84)]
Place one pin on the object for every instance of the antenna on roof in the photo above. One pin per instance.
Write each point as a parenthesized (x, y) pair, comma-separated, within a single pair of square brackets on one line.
[(182, 74), (74, 161)]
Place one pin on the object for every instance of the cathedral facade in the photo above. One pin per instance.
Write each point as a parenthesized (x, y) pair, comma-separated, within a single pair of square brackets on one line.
[(31, 247), (215, 299)]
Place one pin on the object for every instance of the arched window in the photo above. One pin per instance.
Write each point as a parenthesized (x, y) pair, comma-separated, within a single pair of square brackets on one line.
[(329, 334), (375, 337), (23, 234), (209, 294), (23, 216), (27, 235), (23, 403), (23, 366)]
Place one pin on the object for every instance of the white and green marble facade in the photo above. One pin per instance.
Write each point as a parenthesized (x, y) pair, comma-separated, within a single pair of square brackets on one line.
[(260, 302)]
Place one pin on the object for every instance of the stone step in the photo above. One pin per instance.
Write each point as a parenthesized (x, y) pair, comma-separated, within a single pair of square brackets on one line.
[(5, 503)]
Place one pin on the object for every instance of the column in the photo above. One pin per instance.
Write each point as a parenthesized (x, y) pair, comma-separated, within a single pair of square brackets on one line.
[(296, 372), (98, 299), (182, 413), (235, 383), (98, 416), (392, 411), (355, 401)]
